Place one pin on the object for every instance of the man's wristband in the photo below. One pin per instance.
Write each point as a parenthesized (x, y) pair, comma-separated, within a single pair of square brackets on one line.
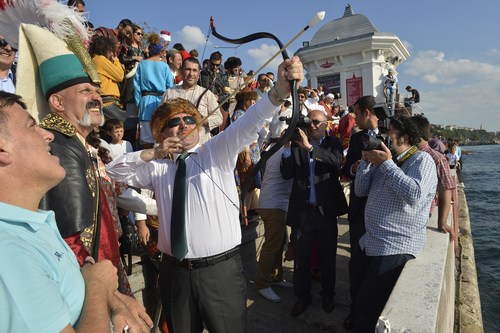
[(275, 99)]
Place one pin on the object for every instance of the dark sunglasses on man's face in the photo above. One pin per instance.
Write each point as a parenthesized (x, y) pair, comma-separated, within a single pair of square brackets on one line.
[(4, 44), (188, 120), (316, 122)]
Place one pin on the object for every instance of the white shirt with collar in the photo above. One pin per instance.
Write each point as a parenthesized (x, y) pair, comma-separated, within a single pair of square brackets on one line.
[(7, 83), (212, 206)]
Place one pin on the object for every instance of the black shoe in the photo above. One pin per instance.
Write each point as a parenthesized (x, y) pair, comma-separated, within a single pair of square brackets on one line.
[(300, 306), (328, 303), (348, 322)]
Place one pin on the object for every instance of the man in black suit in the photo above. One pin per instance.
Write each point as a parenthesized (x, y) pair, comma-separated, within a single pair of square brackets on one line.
[(367, 122), (315, 202)]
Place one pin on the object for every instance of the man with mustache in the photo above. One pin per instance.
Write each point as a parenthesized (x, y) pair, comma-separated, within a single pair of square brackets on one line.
[(70, 110), (62, 297)]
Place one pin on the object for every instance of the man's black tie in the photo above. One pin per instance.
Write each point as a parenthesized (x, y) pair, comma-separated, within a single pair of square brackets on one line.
[(178, 220)]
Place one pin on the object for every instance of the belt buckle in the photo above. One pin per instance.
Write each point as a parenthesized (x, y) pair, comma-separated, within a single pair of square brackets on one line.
[(189, 264)]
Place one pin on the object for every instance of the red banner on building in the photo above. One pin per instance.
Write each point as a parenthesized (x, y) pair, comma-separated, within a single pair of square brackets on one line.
[(354, 89)]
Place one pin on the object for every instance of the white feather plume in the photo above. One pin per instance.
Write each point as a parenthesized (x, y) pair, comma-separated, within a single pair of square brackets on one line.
[(60, 19)]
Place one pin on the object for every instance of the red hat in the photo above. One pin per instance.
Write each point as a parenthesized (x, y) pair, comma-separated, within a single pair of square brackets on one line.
[(165, 35)]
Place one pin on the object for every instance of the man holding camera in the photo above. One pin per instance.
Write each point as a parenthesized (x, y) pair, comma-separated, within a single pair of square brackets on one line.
[(317, 199), (400, 191), (367, 121)]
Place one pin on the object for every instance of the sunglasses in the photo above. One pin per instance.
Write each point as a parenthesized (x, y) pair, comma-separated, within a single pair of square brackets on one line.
[(215, 65), (173, 122), (317, 122), (4, 44), (139, 33)]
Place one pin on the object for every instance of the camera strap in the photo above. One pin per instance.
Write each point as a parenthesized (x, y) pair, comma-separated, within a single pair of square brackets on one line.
[(400, 161)]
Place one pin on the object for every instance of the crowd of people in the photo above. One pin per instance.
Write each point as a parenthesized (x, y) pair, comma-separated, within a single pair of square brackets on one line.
[(132, 129)]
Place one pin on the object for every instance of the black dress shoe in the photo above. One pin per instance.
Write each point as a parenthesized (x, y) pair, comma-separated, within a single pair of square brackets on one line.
[(328, 303), (300, 306), (348, 322)]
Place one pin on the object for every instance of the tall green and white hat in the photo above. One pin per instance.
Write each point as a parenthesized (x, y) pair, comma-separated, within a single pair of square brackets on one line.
[(50, 38)]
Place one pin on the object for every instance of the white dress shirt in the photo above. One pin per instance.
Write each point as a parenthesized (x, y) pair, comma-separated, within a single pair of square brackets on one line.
[(212, 203), (275, 191)]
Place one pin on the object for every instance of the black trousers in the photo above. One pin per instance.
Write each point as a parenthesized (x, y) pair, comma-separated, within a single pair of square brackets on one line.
[(356, 262), (325, 231), (213, 295), (382, 273)]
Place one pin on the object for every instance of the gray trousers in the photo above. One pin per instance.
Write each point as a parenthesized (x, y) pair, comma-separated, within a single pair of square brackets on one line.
[(214, 296)]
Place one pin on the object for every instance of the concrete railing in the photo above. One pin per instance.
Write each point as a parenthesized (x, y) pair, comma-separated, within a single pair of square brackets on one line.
[(423, 299)]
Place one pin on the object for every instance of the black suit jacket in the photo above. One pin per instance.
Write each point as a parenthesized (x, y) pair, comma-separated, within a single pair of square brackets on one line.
[(356, 204), (329, 193)]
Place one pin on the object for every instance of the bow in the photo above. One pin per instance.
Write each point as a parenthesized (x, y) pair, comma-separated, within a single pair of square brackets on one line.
[(245, 187)]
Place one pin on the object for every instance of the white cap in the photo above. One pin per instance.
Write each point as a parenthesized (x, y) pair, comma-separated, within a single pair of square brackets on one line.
[(331, 96)]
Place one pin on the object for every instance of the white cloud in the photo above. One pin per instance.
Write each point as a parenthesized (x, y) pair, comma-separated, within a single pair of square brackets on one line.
[(460, 92), (432, 67), (190, 37), (262, 54)]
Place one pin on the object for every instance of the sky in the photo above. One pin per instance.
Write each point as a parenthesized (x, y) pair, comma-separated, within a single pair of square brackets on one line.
[(454, 45)]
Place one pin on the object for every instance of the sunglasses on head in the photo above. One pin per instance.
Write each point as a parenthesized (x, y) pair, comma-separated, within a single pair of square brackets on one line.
[(173, 122)]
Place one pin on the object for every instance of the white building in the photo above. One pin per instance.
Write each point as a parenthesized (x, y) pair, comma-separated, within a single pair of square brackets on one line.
[(349, 55)]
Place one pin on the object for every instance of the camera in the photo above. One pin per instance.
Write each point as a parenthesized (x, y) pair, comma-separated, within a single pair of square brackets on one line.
[(369, 142), (302, 123)]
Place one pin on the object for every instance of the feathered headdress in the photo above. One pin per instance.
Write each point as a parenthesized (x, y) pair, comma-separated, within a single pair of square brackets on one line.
[(51, 39)]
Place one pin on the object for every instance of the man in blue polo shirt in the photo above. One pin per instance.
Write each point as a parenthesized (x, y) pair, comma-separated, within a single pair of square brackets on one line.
[(42, 288)]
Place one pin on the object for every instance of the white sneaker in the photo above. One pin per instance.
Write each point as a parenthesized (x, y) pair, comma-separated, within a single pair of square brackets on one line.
[(283, 284), (269, 294)]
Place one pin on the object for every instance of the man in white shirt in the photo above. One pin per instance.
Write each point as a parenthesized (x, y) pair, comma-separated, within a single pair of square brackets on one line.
[(7, 72), (204, 100), (205, 285)]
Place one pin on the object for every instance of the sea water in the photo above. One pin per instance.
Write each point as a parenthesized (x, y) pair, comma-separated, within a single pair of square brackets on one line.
[(481, 177)]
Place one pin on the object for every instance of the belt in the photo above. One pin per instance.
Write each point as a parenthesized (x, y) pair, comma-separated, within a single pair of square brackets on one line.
[(190, 264), (152, 93)]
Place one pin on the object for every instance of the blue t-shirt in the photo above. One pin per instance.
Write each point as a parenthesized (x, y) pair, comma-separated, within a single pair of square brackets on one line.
[(41, 286)]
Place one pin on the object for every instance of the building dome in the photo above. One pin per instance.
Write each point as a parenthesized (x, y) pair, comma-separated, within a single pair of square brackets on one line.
[(348, 26)]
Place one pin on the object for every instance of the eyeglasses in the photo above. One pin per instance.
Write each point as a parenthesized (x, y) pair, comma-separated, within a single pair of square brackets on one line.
[(215, 65), (173, 122), (317, 122), (139, 33)]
